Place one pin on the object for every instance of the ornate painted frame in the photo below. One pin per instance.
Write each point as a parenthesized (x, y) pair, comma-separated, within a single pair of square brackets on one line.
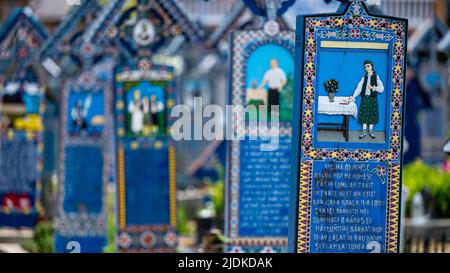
[(165, 235), (353, 21), (71, 224), (243, 44)]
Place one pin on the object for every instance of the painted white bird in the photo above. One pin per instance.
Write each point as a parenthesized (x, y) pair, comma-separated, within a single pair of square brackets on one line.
[(32, 88), (11, 88)]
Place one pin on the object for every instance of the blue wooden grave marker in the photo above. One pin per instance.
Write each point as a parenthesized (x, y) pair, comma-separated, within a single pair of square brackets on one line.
[(109, 29), (258, 180), (144, 97), (145, 159), (22, 104), (83, 163), (84, 131), (348, 132)]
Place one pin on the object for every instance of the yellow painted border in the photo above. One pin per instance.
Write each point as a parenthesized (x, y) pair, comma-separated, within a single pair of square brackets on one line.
[(354, 45), (172, 186), (121, 174), (306, 169), (394, 191)]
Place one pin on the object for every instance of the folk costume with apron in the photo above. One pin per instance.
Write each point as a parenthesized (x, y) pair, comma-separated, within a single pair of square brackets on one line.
[(369, 109)]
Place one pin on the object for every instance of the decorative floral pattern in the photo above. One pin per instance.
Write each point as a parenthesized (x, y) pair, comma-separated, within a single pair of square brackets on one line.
[(355, 24), (381, 172), (81, 225), (16, 203), (161, 239)]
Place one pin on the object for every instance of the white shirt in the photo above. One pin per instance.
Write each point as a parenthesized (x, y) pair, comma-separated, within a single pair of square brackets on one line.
[(379, 88), (157, 107), (78, 114), (137, 117), (275, 78)]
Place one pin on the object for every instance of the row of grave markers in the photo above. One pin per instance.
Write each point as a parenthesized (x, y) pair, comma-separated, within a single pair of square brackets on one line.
[(333, 184), (144, 157), (339, 190), (118, 88)]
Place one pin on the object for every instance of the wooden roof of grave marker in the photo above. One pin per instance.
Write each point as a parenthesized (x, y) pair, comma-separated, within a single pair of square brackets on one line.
[(57, 54), (169, 17)]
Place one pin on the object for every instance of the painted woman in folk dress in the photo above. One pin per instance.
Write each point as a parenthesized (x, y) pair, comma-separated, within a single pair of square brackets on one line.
[(369, 87)]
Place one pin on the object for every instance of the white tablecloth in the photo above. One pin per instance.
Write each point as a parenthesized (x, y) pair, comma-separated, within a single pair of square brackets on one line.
[(335, 108)]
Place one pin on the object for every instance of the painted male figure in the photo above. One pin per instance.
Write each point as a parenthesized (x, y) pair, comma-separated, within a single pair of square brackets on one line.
[(369, 87), (275, 78), (79, 114)]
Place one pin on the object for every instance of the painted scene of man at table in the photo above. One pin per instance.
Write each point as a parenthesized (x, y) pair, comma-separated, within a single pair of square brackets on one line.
[(352, 100), (146, 112), (270, 80), (20, 106), (85, 114)]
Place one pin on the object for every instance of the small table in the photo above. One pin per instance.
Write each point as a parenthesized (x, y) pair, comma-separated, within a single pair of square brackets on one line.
[(338, 107)]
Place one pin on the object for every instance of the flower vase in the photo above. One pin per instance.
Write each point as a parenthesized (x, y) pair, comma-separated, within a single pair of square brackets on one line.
[(331, 96)]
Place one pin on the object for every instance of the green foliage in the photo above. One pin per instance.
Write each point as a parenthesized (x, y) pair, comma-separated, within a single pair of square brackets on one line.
[(43, 239), (418, 176), (111, 229), (184, 226), (217, 191), (287, 99)]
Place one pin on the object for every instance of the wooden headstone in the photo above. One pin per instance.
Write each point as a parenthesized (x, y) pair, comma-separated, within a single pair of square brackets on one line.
[(145, 158), (258, 179), (348, 132), (22, 107)]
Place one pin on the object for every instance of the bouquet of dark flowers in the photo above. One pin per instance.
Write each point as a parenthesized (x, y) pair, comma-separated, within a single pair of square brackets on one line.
[(332, 86)]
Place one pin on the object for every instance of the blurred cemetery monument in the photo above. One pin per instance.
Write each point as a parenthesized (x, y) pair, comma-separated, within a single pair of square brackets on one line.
[(22, 107), (202, 71), (23, 100), (428, 103)]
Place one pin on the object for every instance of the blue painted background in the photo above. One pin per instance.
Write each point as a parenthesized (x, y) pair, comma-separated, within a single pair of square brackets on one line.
[(96, 109), (377, 215), (264, 186), (32, 103), (83, 187), (147, 186), (259, 62), (17, 162), (346, 66), (147, 90)]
